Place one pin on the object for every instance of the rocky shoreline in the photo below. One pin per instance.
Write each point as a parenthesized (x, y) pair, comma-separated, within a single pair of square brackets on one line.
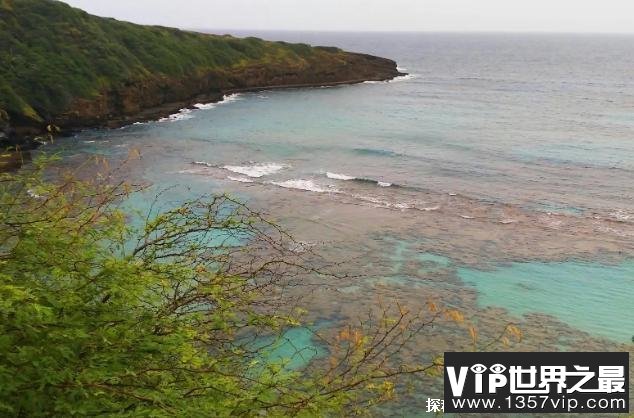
[(171, 108), (151, 99), (76, 71)]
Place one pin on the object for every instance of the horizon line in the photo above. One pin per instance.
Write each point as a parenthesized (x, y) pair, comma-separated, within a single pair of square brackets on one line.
[(337, 30), (444, 31)]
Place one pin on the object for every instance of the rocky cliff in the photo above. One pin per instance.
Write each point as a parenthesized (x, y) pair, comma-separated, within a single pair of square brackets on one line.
[(62, 67), (157, 95)]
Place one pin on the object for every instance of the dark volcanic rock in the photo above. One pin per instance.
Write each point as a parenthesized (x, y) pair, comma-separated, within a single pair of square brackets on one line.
[(161, 95)]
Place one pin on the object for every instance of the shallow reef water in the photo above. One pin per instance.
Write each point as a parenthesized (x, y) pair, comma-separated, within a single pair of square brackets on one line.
[(496, 179), (598, 297)]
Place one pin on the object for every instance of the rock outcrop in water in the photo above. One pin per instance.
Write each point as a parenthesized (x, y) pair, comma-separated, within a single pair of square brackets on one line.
[(64, 67)]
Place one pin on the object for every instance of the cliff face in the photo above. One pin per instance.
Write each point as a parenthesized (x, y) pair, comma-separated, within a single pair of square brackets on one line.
[(154, 96), (64, 67)]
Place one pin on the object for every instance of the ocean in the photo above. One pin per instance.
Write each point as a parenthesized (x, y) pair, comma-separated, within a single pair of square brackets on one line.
[(496, 178)]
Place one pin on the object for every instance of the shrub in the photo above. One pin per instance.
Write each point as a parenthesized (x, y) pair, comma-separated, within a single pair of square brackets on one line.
[(165, 317)]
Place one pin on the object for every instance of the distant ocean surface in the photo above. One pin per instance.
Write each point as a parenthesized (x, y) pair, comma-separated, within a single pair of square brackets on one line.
[(497, 178)]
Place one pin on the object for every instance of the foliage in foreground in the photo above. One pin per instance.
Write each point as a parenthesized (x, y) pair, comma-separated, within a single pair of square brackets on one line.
[(166, 318)]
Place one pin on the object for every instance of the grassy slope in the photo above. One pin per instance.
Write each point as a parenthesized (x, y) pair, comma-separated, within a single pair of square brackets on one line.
[(52, 54)]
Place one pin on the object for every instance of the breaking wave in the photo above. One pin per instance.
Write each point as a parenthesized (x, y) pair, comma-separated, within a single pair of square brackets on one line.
[(345, 177), (402, 78), (256, 170), (307, 185), (183, 114), (336, 176), (240, 179), (206, 164), (227, 98), (205, 106)]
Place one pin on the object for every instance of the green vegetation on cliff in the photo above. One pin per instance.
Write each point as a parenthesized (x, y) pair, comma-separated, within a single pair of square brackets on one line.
[(53, 54)]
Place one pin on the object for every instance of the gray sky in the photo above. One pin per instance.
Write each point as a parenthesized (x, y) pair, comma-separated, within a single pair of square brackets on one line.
[(376, 15)]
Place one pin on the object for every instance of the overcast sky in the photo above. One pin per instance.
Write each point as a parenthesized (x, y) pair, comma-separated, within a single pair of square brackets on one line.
[(376, 15)]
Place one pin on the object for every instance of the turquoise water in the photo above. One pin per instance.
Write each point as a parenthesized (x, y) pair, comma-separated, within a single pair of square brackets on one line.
[(499, 154), (557, 208), (436, 260), (592, 297), (154, 200), (595, 298), (296, 348)]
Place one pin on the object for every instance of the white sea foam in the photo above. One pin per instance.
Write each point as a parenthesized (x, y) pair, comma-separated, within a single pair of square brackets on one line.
[(189, 171), (256, 170), (336, 176), (401, 206), (401, 69), (371, 199), (402, 78), (205, 163), (228, 98), (90, 142), (301, 184), (380, 203), (614, 231), (253, 170), (240, 179), (184, 114), (205, 106), (394, 80), (621, 216)]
